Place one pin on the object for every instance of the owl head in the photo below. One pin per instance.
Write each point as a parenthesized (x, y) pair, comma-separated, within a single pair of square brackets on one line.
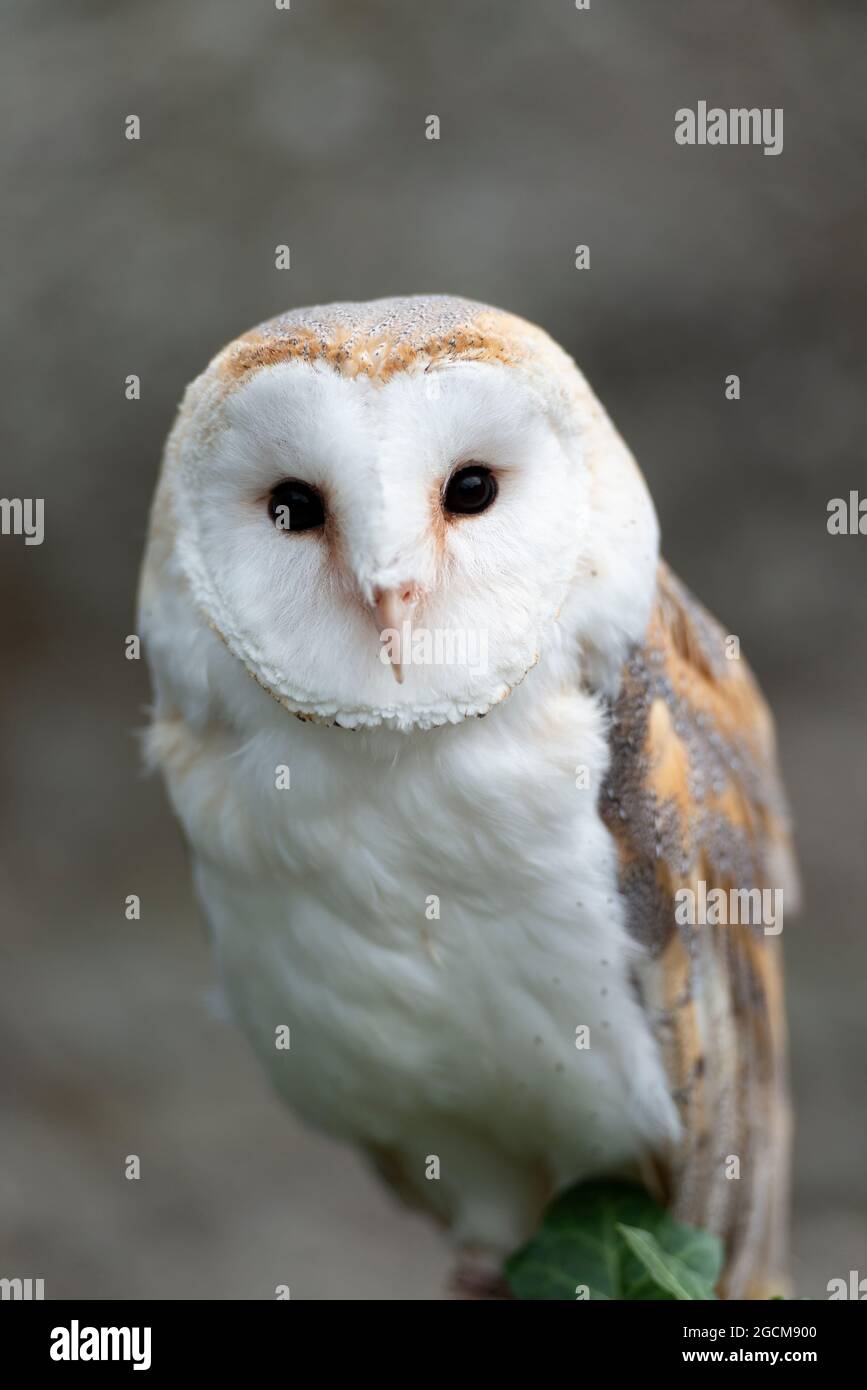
[(394, 513)]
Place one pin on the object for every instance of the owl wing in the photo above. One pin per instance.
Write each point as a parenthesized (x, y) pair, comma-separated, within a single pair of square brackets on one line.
[(694, 797)]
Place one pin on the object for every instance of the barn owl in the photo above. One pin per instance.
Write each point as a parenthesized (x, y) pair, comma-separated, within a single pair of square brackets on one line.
[(441, 875)]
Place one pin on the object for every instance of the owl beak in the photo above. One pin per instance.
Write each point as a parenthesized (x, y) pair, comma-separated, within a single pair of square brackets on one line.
[(392, 610)]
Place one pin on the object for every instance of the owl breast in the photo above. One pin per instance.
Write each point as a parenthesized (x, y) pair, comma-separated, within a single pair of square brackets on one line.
[(424, 940)]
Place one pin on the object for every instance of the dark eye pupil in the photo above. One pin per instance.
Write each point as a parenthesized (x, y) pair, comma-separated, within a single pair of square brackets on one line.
[(470, 490), (294, 506)]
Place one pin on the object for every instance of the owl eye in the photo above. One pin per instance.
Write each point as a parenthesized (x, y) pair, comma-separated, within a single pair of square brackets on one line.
[(295, 506), (470, 490)]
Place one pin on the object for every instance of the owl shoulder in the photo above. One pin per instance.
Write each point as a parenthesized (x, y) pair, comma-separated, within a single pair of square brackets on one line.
[(693, 793)]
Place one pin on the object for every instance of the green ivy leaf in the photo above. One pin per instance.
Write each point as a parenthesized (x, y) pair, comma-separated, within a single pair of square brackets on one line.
[(667, 1271), (591, 1236)]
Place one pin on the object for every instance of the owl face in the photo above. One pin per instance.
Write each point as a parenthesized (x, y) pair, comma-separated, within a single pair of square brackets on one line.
[(398, 551)]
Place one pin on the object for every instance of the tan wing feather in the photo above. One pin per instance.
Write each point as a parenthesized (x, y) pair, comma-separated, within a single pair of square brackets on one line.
[(694, 795)]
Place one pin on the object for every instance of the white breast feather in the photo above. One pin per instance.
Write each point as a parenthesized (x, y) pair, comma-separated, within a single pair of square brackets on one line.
[(452, 1037)]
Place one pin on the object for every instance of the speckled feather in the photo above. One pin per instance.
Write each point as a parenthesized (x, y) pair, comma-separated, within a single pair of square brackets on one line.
[(380, 337), (694, 794)]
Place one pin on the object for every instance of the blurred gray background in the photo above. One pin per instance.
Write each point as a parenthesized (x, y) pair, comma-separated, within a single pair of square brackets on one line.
[(307, 127)]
